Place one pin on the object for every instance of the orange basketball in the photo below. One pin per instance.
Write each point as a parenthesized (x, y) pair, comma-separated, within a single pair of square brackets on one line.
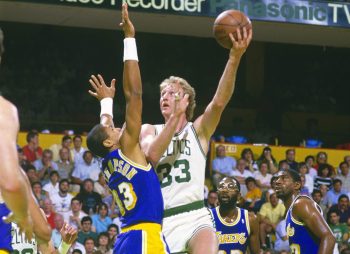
[(228, 22)]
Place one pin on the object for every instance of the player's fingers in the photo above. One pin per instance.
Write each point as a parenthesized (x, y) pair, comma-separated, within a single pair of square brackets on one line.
[(239, 35), (113, 83), (186, 96), (92, 93), (234, 42), (97, 83), (102, 82), (245, 33), (92, 83)]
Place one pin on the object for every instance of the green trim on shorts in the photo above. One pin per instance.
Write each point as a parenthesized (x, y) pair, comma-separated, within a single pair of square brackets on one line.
[(183, 208)]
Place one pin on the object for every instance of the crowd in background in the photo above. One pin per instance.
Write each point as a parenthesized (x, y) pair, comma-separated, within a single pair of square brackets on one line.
[(328, 186), (69, 186)]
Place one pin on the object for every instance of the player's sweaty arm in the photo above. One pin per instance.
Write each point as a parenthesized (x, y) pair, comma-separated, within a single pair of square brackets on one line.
[(12, 183), (206, 124), (254, 242), (305, 210)]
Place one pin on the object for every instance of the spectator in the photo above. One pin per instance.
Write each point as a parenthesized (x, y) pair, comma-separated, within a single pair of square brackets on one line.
[(222, 165), (88, 197), (55, 234), (32, 174), (309, 181), (49, 213), (74, 216), (39, 194), (52, 187), (290, 159), (310, 161), (86, 230), (113, 232), (323, 177), (55, 148), (317, 197), (101, 220), (253, 195), (340, 230), (281, 243), (240, 173), (212, 201), (322, 159), (22, 159), (248, 155), (101, 186), (267, 157), (32, 151), (304, 189), (103, 244), (45, 166), (333, 195), (270, 213), (65, 166), (89, 168), (62, 200), (342, 208), (344, 176), (89, 244), (77, 151), (263, 178)]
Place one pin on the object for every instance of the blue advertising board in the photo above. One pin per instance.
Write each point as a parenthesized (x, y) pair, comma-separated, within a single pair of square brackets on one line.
[(336, 14)]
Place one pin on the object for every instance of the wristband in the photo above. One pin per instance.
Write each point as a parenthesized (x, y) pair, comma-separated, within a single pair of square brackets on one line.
[(130, 49), (106, 107), (63, 248)]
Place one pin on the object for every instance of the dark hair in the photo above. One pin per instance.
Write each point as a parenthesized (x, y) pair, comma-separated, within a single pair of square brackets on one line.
[(273, 178), (245, 151), (113, 226), (343, 196), (342, 163), (337, 181), (89, 238), (29, 167), (37, 183), (100, 205), (250, 179), (77, 251), (76, 199), (308, 157), (65, 180), (86, 218), (212, 191), (103, 234), (290, 150), (333, 211), (54, 172), (95, 140), (262, 156), (77, 136), (66, 137), (315, 192), (325, 166), (31, 135), (301, 164)]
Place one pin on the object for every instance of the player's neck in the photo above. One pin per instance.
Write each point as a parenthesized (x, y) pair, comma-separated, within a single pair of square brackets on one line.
[(289, 200), (228, 212), (181, 124)]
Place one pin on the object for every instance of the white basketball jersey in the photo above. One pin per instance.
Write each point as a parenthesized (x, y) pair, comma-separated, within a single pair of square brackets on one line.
[(181, 169), (20, 245)]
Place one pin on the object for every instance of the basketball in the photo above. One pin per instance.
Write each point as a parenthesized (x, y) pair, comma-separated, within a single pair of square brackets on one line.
[(228, 22)]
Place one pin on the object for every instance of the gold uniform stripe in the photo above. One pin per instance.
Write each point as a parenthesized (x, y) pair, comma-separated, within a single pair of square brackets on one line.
[(4, 252)]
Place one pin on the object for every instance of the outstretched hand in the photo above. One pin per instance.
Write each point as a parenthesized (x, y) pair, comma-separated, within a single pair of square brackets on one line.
[(180, 104), (128, 27), (240, 45), (68, 234), (101, 89)]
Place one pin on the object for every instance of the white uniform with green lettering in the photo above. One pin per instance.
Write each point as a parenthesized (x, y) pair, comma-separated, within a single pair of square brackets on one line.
[(20, 245), (182, 173)]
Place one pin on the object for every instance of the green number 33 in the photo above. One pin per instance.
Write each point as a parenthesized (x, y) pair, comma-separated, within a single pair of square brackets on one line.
[(164, 171)]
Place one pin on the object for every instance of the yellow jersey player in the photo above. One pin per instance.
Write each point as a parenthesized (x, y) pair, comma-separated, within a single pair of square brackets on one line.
[(132, 180)]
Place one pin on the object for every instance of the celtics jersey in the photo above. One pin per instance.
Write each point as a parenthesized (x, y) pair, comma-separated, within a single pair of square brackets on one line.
[(232, 237), (181, 169), (20, 245)]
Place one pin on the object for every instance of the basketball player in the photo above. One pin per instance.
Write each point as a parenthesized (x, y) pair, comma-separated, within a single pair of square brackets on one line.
[(14, 195), (133, 181), (180, 160), (307, 230), (235, 227)]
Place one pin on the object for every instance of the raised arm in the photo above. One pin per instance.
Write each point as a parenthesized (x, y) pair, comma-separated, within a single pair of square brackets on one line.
[(206, 124), (132, 87), (306, 211), (12, 184)]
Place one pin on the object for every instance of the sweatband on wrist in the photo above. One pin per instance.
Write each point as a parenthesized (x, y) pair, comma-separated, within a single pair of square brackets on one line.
[(63, 248), (130, 49), (106, 107)]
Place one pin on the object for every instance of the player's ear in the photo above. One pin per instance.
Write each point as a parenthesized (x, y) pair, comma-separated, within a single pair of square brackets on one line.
[(107, 143)]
